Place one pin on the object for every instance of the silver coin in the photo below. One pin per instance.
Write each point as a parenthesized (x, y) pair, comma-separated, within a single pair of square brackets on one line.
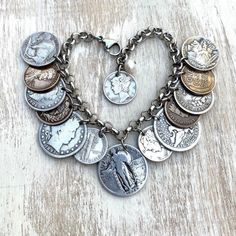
[(65, 139), (150, 146), (48, 100), (123, 172), (201, 53), (94, 148), (173, 138), (40, 49), (120, 88), (193, 104)]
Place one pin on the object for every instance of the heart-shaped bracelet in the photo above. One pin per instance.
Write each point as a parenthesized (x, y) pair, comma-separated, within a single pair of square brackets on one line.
[(122, 169)]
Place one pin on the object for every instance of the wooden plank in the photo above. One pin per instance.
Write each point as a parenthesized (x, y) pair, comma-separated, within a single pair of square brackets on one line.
[(192, 193)]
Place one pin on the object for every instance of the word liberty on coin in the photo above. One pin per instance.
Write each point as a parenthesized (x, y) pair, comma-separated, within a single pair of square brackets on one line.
[(70, 129)]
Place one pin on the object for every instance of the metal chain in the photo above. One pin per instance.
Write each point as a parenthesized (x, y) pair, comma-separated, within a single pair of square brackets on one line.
[(63, 63)]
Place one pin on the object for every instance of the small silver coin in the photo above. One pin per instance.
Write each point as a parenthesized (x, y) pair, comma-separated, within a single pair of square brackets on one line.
[(40, 49), (201, 53), (94, 148), (120, 88), (193, 104), (173, 138), (123, 172), (65, 139), (150, 146), (48, 100)]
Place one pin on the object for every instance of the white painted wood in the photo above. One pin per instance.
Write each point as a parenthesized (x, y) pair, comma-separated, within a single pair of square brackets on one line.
[(193, 193)]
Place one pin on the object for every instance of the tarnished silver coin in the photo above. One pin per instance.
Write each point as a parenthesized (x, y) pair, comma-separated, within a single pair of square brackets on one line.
[(94, 148), (120, 88), (177, 116), (48, 100), (150, 146), (173, 138), (201, 53), (123, 172), (65, 139), (191, 103), (58, 115), (40, 49)]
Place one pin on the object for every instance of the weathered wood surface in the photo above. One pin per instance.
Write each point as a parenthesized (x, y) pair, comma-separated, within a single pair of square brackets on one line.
[(192, 193)]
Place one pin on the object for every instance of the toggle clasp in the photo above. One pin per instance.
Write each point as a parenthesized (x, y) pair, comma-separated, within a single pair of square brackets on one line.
[(112, 46)]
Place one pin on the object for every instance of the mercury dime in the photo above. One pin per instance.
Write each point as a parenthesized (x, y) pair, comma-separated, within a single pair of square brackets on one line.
[(123, 172), (41, 79), (174, 138), (58, 115), (177, 116), (48, 100), (200, 83), (40, 49), (94, 148), (191, 103), (201, 53), (65, 139), (120, 88), (150, 147)]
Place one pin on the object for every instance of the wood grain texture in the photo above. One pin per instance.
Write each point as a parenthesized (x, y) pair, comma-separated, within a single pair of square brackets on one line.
[(192, 193)]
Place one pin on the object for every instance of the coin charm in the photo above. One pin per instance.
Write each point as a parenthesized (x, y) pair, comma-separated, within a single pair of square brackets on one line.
[(177, 116), (41, 79), (58, 115), (94, 149), (173, 138), (40, 49), (48, 100), (120, 88), (150, 147), (65, 139), (123, 172), (191, 103), (201, 53), (200, 83)]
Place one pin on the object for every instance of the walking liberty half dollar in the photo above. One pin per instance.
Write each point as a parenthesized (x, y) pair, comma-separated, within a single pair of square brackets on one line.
[(123, 172), (94, 149), (48, 100), (173, 138), (200, 53), (120, 88), (150, 146), (191, 103), (65, 139), (40, 49)]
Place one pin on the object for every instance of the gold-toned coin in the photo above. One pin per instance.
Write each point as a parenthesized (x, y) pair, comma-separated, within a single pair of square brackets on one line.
[(200, 83), (41, 79)]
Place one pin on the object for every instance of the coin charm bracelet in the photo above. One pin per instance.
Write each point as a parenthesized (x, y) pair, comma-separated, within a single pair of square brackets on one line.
[(70, 128)]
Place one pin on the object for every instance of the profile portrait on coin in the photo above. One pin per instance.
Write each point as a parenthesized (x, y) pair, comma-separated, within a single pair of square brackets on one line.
[(120, 89)]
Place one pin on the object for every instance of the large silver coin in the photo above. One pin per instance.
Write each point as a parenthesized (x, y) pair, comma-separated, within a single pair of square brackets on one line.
[(94, 148), (174, 138), (201, 53), (191, 103), (48, 100), (65, 139), (123, 172), (120, 88), (40, 49), (150, 146)]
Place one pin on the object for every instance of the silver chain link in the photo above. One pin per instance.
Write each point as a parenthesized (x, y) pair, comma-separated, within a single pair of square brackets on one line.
[(63, 63)]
